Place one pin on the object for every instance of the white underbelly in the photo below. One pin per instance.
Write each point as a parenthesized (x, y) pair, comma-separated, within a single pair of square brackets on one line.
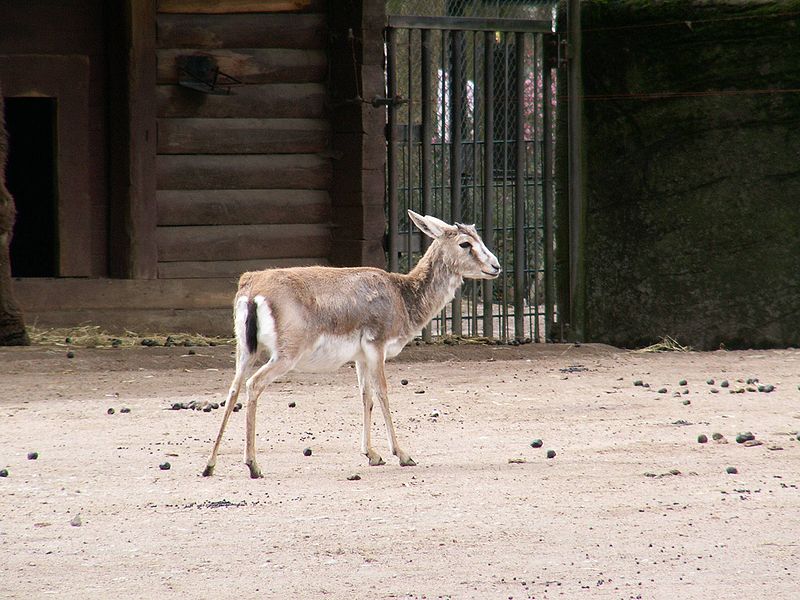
[(329, 353), (394, 347)]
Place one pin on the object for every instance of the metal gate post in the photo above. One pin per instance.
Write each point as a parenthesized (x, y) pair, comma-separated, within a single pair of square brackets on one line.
[(392, 148), (577, 201), (427, 142), (488, 173), (519, 192), (548, 191), (456, 158)]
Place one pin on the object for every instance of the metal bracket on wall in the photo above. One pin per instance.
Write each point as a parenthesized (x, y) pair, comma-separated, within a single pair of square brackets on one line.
[(564, 53), (556, 50), (393, 102), (201, 74)]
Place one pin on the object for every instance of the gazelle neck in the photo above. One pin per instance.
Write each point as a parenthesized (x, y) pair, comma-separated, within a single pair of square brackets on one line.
[(432, 283)]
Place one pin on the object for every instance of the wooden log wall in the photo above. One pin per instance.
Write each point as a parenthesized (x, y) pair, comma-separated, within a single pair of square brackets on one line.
[(358, 139), (243, 179)]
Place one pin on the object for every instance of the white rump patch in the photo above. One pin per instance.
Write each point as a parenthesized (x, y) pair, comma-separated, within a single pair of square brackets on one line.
[(267, 336), (240, 321)]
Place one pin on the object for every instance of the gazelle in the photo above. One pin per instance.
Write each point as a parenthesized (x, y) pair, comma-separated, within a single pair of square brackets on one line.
[(318, 318)]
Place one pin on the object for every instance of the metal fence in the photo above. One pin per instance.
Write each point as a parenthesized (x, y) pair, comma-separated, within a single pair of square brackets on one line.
[(471, 137)]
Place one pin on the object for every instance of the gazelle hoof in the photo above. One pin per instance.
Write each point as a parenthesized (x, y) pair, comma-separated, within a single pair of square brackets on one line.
[(209, 471), (407, 462), (255, 472), (375, 459)]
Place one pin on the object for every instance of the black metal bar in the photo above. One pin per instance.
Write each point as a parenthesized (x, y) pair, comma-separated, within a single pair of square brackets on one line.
[(519, 190), (427, 140), (456, 115), (472, 321), (427, 126), (392, 149), (577, 214), (470, 24), (409, 149), (503, 203), (488, 173), (443, 141), (456, 158), (549, 198), (536, 229)]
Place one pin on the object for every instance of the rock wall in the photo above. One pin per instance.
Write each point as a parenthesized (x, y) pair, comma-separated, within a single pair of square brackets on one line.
[(692, 132)]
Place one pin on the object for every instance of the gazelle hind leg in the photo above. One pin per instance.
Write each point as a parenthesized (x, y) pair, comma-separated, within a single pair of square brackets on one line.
[(255, 385), (366, 433), (243, 362)]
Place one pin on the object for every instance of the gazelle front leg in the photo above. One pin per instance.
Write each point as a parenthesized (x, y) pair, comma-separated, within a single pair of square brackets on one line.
[(377, 381), (366, 433)]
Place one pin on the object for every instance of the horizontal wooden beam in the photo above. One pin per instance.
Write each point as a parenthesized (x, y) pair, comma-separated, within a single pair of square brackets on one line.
[(304, 31), (46, 294), (242, 136), (238, 6), (207, 321), (252, 65), (242, 207), (242, 242), (230, 268), (254, 171), (269, 100)]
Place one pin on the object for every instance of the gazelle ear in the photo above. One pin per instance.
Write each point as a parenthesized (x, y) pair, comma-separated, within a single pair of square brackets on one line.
[(430, 226)]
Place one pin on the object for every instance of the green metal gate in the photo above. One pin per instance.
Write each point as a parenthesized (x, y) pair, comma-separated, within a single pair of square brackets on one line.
[(471, 139)]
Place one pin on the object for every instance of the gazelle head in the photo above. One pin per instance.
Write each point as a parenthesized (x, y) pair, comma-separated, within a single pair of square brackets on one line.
[(462, 248)]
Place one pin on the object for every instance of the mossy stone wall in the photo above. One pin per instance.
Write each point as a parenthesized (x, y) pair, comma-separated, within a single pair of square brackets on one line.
[(692, 139)]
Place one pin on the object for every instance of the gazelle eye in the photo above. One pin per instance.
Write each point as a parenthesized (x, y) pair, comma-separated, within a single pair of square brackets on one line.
[(465, 245)]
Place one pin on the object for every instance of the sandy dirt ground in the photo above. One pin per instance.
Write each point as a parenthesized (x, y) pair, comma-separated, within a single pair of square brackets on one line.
[(631, 506)]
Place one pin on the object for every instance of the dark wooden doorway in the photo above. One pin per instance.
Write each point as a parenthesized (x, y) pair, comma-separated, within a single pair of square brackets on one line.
[(54, 72), (32, 180)]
